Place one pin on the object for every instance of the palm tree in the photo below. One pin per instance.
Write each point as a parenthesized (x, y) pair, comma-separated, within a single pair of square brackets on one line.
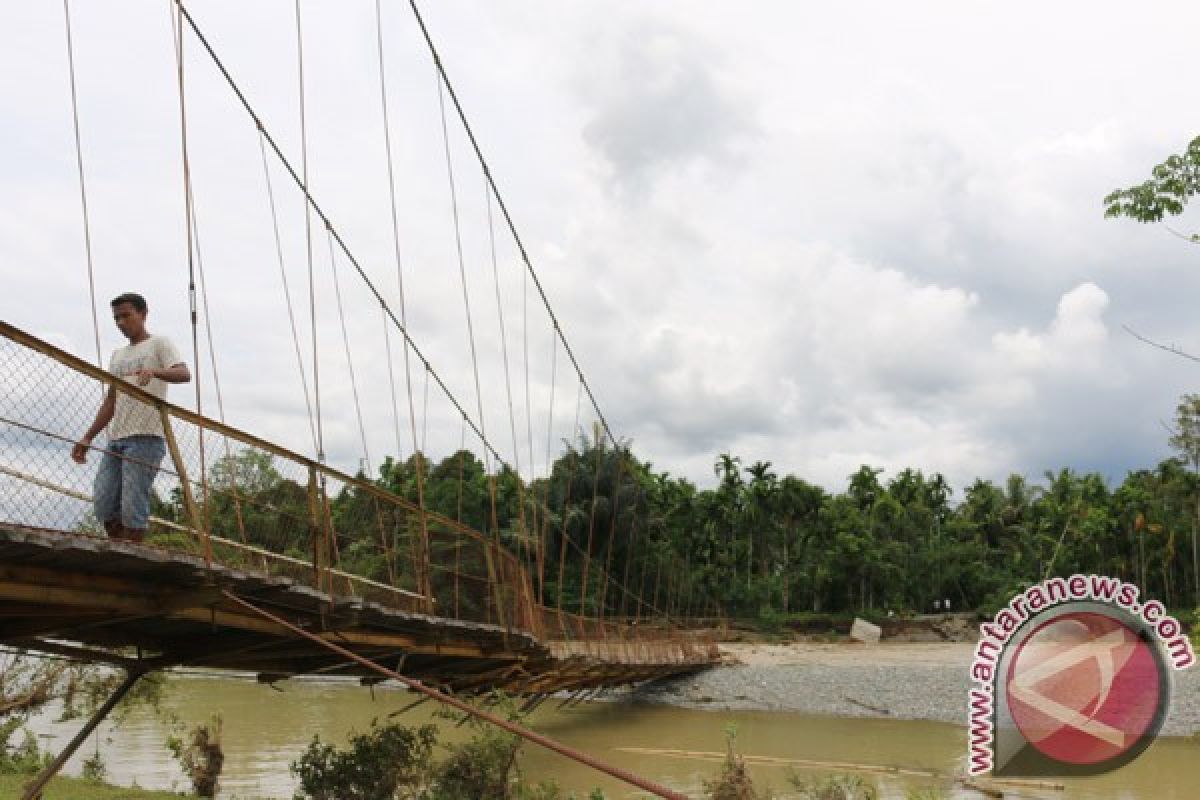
[(759, 509)]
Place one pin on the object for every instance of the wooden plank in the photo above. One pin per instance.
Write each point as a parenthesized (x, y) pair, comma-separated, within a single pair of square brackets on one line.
[(128, 603)]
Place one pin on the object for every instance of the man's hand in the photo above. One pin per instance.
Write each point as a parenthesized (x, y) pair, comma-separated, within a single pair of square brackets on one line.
[(144, 376), (79, 451)]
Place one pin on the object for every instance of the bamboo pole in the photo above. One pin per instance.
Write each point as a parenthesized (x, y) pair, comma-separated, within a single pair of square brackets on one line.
[(189, 499)]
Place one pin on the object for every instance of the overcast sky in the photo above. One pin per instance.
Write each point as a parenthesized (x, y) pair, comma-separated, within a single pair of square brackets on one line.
[(819, 235)]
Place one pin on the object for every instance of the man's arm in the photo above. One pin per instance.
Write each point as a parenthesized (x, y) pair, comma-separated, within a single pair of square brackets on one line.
[(176, 373), (103, 417)]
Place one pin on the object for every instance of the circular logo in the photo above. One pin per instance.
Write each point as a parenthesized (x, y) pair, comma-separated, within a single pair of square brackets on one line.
[(1086, 688)]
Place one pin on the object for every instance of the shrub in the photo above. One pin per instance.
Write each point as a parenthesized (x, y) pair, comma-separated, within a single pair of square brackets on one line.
[(394, 762), (833, 787), (732, 782), (94, 769), (201, 756), (20, 759), (390, 761)]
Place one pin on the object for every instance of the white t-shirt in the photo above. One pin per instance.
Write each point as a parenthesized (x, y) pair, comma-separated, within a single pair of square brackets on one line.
[(133, 417)]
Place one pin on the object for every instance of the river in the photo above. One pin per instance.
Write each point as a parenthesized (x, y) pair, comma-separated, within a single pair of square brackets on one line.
[(265, 729)]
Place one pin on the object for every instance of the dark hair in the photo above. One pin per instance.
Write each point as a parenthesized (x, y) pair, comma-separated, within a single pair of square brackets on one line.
[(136, 300)]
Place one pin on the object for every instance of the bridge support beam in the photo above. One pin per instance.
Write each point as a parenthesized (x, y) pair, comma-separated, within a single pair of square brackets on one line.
[(34, 790)]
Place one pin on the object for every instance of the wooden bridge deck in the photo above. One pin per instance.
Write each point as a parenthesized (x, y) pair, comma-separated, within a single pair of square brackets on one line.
[(93, 597)]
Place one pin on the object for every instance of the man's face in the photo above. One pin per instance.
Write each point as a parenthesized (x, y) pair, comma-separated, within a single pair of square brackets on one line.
[(129, 320)]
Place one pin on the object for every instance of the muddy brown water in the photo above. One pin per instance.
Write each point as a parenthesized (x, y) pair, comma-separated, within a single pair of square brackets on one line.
[(266, 729)]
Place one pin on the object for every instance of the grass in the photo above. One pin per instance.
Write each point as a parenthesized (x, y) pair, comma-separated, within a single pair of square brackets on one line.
[(11, 787)]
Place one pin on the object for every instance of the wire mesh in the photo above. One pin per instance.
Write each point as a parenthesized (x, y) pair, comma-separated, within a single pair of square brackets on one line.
[(240, 502)]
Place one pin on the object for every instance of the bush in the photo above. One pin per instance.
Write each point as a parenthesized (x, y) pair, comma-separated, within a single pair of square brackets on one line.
[(732, 782), (20, 759), (94, 769), (389, 762), (833, 787), (201, 756), (394, 762), (481, 767)]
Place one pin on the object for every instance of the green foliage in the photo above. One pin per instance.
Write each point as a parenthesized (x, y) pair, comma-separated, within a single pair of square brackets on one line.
[(732, 782), (93, 768), (1170, 186), (621, 538), (20, 759), (29, 682), (832, 787), (1185, 438), (86, 688), (395, 762), (61, 788), (200, 755), (483, 766), (390, 761)]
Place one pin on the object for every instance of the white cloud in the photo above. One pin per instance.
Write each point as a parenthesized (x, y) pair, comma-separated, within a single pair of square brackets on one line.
[(761, 233)]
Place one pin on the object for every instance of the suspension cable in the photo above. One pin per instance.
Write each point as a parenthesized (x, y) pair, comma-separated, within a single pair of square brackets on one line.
[(525, 363), (387, 351), (566, 515), (391, 176), (302, 185), (512, 421), (445, 78), (216, 375), (403, 323), (312, 207), (87, 227), (312, 289), (177, 34), (523, 547), (287, 293), (462, 268), (549, 470), (337, 293)]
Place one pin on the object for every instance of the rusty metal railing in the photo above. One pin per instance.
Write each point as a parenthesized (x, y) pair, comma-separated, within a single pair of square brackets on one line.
[(239, 500)]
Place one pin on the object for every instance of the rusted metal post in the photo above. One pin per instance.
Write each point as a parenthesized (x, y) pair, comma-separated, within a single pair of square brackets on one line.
[(34, 790), (189, 500), (314, 525), (494, 584)]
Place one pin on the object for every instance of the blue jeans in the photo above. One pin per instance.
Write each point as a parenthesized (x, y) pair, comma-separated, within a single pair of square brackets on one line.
[(122, 489)]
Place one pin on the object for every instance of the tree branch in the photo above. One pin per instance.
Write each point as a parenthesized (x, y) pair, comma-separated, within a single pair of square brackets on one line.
[(1190, 239), (1170, 348)]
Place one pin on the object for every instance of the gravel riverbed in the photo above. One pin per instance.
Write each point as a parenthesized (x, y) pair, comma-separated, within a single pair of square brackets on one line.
[(902, 681)]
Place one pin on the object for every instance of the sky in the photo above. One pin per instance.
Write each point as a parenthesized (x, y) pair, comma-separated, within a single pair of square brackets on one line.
[(819, 235)]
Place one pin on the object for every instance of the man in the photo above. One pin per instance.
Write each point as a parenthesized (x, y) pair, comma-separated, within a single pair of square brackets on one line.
[(135, 434)]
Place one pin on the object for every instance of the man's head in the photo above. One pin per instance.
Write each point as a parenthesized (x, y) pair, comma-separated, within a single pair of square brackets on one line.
[(129, 312)]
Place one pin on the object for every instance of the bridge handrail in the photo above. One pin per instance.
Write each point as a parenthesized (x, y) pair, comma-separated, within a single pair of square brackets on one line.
[(77, 364), (500, 588)]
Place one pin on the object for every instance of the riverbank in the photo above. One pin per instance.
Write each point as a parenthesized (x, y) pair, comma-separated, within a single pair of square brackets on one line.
[(12, 786), (897, 680)]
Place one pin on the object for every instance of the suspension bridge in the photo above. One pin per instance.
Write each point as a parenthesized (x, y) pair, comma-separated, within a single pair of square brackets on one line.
[(267, 560)]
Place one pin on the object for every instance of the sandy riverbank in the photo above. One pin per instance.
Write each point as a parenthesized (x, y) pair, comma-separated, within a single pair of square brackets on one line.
[(904, 680), (931, 654)]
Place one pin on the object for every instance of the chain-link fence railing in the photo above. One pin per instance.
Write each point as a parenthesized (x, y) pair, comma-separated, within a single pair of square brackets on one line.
[(232, 499)]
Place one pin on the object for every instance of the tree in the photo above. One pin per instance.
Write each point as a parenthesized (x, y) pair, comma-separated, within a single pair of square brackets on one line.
[(1170, 186), (1185, 438)]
